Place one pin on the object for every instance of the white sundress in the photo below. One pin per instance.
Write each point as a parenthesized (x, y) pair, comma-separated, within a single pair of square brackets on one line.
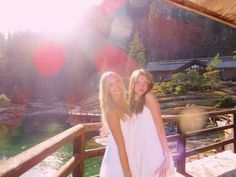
[(111, 166), (150, 149)]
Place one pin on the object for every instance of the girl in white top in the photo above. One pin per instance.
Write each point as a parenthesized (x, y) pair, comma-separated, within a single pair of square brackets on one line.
[(150, 134), (119, 159)]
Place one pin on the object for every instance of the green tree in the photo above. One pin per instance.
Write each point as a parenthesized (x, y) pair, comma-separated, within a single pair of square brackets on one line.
[(212, 74), (137, 51), (213, 63)]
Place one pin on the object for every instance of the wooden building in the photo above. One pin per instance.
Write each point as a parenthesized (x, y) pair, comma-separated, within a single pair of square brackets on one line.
[(162, 70)]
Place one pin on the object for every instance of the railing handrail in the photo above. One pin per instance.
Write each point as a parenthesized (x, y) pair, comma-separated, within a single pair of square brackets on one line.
[(206, 113), (22, 162), (172, 116)]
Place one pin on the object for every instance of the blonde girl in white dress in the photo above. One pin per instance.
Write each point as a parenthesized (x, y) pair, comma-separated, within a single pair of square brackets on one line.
[(119, 159), (156, 160)]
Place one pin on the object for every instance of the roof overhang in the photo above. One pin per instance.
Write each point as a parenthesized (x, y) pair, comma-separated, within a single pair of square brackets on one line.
[(226, 62), (223, 11)]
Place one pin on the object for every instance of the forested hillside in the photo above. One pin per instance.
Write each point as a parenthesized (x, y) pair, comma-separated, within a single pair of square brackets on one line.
[(170, 33)]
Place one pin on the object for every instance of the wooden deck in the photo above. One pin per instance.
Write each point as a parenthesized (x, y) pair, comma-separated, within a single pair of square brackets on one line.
[(223, 163)]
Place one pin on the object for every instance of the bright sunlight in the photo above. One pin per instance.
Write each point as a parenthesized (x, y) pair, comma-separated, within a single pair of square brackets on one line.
[(55, 17)]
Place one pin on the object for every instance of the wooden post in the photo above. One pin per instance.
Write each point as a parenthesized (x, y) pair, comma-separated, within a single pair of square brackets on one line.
[(78, 148), (181, 148), (234, 122)]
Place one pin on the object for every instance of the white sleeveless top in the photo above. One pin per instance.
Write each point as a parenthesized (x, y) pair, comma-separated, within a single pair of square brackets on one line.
[(151, 153), (111, 166)]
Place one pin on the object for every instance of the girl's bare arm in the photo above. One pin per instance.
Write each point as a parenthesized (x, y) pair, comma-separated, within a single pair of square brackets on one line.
[(152, 103), (115, 128)]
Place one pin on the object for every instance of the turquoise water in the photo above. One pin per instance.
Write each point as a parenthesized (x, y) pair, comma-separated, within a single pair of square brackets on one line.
[(32, 130)]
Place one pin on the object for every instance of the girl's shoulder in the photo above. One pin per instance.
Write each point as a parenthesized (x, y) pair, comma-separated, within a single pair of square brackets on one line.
[(149, 96), (151, 100), (111, 113)]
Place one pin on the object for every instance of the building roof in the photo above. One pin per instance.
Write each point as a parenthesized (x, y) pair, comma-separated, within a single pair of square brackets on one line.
[(173, 65), (156, 66), (227, 64), (223, 11)]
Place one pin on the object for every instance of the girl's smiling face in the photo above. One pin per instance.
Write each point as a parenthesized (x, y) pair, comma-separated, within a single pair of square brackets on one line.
[(114, 85), (141, 85)]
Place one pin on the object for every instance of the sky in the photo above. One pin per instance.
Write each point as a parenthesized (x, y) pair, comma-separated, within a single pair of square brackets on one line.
[(88, 19), (50, 16)]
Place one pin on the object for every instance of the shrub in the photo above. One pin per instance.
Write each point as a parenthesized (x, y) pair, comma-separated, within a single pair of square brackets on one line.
[(195, 80), (186, 81), (179, 79), (212, 78), (162, 87), (225, 102), (180, 89), (4, 99)]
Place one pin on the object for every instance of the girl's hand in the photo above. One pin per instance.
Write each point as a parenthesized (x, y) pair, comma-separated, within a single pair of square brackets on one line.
[(127, 174), (162, 169), (104, 131)]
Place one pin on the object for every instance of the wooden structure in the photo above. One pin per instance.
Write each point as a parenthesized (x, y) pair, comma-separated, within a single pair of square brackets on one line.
[(24, 161), (219, 10), (162, 70)]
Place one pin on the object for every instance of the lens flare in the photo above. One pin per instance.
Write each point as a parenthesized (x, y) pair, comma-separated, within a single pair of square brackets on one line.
[(121, 29), (48, 58), (108, 6), (110, 57), (192, 119), (130, 66)]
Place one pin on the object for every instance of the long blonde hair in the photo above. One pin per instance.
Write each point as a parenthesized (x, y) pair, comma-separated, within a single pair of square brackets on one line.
[(106, 100), (137, 105)]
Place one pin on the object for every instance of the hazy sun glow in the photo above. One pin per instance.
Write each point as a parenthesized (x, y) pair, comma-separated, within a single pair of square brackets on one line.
[(49, 16), (109, 57), (108, 6), (48, 58)]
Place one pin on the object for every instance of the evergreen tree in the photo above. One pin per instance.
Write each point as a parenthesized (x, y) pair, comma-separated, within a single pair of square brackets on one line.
[(214, 62), (212, 74), (2, 50), (153, 44), (137, 51)]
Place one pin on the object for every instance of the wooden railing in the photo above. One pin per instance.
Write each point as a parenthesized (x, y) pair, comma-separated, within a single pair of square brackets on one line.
[(181, 137), (24, 161)]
